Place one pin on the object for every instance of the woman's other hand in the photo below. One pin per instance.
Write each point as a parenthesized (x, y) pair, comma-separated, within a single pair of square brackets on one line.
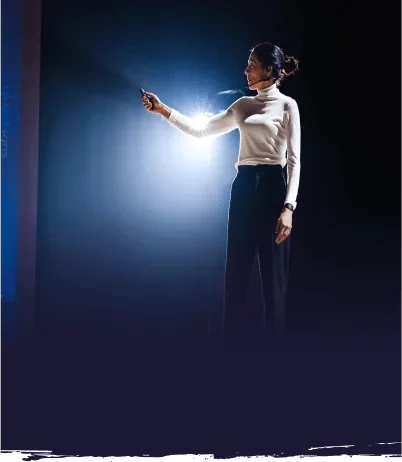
[(284, 226)]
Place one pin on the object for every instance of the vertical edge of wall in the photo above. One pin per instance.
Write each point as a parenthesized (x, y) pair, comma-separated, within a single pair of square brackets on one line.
[(28, 166)]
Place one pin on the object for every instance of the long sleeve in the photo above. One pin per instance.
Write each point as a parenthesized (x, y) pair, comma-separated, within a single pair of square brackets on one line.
[(293, 152), (218, 124)]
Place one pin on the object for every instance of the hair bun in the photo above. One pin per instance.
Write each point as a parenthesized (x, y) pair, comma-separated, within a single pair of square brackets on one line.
[(290, 65)]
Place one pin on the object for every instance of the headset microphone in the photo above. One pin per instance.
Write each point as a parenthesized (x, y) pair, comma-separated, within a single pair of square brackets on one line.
[(258, 81)]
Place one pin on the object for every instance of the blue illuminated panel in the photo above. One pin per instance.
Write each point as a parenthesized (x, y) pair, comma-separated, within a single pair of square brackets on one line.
[(11, 39)]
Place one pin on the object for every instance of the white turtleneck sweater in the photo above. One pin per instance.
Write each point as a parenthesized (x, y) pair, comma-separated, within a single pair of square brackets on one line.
[(269, 126)]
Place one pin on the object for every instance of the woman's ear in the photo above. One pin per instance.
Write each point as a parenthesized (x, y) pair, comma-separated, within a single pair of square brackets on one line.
[(268, 71)]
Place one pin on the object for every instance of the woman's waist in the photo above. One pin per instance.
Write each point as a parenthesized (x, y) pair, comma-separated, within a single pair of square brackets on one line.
[(269, 180), (263, 159), (254, 169)]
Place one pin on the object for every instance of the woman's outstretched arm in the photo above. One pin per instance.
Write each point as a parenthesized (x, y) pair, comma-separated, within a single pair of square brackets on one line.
[(218, 124)]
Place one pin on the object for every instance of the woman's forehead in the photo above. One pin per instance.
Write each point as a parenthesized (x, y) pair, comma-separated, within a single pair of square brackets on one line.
[(252, 58)]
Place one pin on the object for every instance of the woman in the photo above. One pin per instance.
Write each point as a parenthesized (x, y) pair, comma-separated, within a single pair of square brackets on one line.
[(262, 200)]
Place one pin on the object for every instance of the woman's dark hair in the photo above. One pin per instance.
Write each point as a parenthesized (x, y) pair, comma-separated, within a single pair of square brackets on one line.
[(271, 55)]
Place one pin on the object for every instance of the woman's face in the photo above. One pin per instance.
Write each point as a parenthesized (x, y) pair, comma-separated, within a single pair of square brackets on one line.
[(255, 73)]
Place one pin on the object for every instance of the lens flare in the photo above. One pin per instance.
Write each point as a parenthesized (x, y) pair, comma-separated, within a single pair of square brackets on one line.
[(199, 146)]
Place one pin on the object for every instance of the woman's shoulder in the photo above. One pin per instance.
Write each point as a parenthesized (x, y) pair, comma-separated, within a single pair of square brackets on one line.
[(285, 96), (243, 101), (240, 103), (289, 102)]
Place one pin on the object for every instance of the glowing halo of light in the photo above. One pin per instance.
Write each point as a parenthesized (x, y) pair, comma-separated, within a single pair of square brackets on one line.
[(193, 145)]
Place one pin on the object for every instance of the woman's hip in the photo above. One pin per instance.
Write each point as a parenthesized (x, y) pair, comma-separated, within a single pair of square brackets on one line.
[(258, 185)]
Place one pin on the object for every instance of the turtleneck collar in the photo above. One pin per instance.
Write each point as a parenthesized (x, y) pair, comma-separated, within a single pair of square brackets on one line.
[(268, 92)]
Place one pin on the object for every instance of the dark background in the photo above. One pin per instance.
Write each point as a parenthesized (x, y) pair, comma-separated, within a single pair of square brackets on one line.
[(132, 226)]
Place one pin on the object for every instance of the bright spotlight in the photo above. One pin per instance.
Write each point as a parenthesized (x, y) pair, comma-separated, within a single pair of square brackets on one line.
[(200, 120), (192, 144)]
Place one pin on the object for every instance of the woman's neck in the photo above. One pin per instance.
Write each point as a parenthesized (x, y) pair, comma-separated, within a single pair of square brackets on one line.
[(265, 85)]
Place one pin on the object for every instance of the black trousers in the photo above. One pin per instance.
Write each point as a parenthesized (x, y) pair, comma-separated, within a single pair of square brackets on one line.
[(257, 197)]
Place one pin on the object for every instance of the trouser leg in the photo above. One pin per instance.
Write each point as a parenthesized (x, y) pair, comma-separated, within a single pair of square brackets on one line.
[(240, 254), (273, 258), (274, 270)]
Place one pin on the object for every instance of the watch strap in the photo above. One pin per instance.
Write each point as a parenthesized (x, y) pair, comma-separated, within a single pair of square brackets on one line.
[(289, 206)]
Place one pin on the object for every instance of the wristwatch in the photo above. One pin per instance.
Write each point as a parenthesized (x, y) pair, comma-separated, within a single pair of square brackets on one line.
[(289, 206)]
